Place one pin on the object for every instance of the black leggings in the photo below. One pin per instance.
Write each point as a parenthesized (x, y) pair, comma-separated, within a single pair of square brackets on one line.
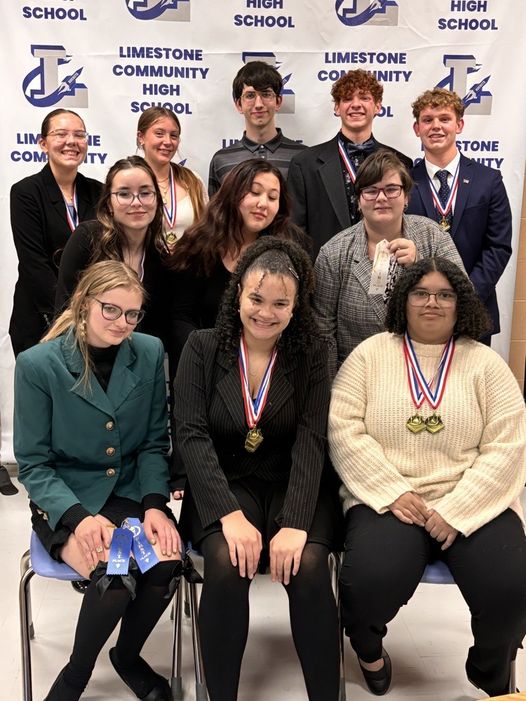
[(224, 616), (384, 562)]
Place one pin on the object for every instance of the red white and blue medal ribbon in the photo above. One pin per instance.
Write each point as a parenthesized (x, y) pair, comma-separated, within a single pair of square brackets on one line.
[(444, 211), (72, 211), (418, 386), (254, 407), (170, 213), (347, 161)]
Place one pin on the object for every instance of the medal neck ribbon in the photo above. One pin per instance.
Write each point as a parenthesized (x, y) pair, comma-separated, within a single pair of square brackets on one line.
[(254, 407), (72, 211), (170, 213), (347, 161), (444, 211), (418, 386)]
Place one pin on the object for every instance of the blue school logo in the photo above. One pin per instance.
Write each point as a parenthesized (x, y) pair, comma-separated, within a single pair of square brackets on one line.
[(288, 104), (165, 10), (43, 87), (356, 12), (470, 87)]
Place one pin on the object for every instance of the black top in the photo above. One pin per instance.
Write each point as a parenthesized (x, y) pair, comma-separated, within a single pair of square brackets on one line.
[(103, 360), (78, 254), (40, 232)]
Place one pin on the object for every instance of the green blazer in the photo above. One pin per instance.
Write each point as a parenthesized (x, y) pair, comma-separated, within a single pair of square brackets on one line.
[(76, 445)]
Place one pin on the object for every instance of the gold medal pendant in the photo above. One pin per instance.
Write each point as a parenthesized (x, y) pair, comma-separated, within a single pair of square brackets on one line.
[(170, 238), (415, 423), (444, 224), (434, 423), (253, 440)]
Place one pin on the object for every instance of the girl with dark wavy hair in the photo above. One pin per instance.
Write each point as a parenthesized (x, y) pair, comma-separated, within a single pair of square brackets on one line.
[(251, 402)]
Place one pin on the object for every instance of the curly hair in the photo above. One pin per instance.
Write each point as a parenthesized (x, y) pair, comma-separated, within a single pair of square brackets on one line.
[(110, 243), (182, 175), (436, 99), (375, 166), (275, 257), (220, 229), (345, 87), (258, 74), (472, 321)]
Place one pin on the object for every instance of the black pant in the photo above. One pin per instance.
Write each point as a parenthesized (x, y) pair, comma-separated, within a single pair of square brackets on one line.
[(384, 562)]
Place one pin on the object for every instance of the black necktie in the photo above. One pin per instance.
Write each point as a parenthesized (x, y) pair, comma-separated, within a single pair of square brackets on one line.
[(445, 190)]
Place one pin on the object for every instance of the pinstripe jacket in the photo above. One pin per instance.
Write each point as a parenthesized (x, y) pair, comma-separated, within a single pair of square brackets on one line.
[(347, 314), (211, 428)]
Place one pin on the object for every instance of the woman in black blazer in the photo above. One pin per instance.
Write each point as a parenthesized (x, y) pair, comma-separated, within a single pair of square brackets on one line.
[(45, 208), (251, 405)]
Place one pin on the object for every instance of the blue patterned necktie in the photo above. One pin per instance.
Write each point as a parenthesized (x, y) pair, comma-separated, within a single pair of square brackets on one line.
[(445, 190)]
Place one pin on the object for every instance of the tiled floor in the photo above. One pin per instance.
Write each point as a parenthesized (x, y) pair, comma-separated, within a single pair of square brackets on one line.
[(427, 642)]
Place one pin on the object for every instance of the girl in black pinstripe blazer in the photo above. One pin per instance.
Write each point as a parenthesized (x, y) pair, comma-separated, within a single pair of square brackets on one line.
[(251, 404)]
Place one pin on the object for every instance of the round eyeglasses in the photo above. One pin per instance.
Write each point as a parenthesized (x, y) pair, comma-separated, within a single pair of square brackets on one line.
[(125, 197), (420, 297), (389, 191), (111, 312)]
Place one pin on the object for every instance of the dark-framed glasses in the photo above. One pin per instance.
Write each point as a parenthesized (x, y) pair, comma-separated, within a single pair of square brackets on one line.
[(112, 312), (63, 134), (389, 191), (420, 297), (265, 95), (125, 197)]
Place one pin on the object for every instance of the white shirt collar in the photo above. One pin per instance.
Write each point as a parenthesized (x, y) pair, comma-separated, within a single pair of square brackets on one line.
[(451, 167)]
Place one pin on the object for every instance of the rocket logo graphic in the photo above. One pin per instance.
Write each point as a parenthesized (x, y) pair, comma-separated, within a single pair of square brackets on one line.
[(356, 12), (42, 86), (475, 97), (165, 10)]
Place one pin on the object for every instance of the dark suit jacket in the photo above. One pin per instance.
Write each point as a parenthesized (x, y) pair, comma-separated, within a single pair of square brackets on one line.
[(40, 231), (211, 428), (481, 227), (317, 190), (63, 431)]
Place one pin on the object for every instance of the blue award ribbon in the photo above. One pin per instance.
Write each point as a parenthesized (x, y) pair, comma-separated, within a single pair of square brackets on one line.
[(120, 549), (143, 551)]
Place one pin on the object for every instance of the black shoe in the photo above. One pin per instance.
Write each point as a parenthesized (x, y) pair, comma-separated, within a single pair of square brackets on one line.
[(380, 681), (62, 691), (490, 692), (142, 680), (7, 488), (80, 585)]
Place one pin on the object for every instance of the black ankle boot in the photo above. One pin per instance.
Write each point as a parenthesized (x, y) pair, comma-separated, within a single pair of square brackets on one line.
[(62, 691), (145, 683)]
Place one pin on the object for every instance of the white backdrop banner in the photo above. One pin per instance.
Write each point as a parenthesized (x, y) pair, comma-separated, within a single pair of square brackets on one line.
[(110, 60)]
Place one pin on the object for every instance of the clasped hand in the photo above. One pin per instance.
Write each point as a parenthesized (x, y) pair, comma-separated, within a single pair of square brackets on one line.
[(404, 251), (411, 508)]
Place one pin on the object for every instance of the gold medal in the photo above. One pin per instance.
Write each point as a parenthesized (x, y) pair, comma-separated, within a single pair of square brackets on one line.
[(170, 238), (415, 423), (253, 440), (434, 423), (444, 224)]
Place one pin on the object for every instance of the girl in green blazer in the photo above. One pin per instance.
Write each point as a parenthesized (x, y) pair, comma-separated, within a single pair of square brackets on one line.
[(91, 443)]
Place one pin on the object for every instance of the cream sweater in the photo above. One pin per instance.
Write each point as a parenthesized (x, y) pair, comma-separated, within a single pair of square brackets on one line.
[(470, 472)]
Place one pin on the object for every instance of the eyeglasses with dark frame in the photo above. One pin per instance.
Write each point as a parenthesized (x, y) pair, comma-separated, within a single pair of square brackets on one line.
[(420, 297), (112, 312), (265, 95), (125, 197), (390, 191)]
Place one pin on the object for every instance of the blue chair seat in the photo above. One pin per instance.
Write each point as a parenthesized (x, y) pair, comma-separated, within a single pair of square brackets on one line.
[(437, 573), (44, 565)]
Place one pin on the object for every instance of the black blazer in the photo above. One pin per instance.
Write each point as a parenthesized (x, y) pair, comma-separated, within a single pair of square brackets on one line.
[(40, 231), (211, 428), (481, 228), (317, 190)]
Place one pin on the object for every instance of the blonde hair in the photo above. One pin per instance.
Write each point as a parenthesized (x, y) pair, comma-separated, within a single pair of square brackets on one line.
[(99, 278)]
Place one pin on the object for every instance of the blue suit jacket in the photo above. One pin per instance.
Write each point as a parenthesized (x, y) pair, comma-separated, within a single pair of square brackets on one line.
[(481, 227), (76, 446)]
